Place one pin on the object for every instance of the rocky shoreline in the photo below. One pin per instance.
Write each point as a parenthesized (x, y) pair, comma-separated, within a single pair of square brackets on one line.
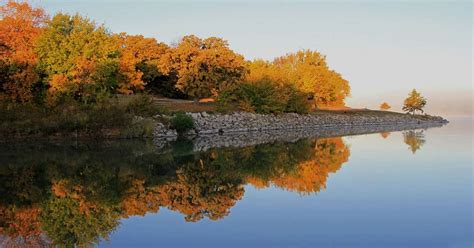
[(236, 140), (257, 124)]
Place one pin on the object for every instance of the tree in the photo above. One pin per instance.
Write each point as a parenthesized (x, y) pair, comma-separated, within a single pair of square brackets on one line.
[(414, 102), (203, 67), (309, 72), (385, 106), (139, 60), (78, 57), (20, 27)]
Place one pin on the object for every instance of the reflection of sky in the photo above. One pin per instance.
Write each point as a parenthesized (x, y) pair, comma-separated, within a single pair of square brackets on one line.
[(384, 48), (383, 197)]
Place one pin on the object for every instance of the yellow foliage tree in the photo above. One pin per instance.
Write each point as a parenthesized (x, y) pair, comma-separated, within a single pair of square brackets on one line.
[(84, 55), (414, 102), (309, 72), (203, 66)]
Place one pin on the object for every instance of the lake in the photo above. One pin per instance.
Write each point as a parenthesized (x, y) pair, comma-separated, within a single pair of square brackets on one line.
[(389, 189)]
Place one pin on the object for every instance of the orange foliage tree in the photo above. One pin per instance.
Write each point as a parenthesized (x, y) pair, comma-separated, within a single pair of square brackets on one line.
[(385, 106), (20, 27), (139, 61)]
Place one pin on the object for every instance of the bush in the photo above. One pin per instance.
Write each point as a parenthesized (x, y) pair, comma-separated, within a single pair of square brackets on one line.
[(181, 122), (297, 101), (264, 96), (142, 105), (132, 116)]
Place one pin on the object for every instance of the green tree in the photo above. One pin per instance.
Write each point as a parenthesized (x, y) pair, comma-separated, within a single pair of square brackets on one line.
[(79, 57), (414, 102)]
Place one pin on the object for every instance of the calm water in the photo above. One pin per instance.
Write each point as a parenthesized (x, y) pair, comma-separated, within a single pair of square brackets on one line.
[(399, 189)]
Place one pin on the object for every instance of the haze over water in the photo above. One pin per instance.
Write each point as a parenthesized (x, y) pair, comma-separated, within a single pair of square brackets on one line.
[(399, 189)]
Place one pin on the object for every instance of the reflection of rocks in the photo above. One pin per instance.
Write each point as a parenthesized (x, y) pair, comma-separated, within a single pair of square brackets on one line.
[(205, 142), (162, 131)]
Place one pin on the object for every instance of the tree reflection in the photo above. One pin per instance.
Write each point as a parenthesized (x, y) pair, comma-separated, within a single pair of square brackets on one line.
[(310, 174), (414, 139), (385, 134), (76, 196)]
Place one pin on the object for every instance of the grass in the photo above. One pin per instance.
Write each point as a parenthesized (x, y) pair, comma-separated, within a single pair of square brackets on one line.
[(116, 117), (176, 105), (121, 116)]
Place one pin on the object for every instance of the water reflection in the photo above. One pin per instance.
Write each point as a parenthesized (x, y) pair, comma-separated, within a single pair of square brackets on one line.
[(77, 195), (414, 139), (385, 134)]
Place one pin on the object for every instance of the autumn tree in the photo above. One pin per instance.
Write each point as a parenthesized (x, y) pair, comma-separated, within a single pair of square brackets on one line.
[(20, 27), (309, 72), (79, 57), (139, 62), (414, 102), (385, 106), (203, 66)]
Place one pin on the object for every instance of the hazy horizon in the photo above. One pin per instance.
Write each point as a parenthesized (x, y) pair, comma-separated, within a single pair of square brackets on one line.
[(383, 49)]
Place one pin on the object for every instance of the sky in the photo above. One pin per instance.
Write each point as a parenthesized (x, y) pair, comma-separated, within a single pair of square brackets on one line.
[(383, 48)]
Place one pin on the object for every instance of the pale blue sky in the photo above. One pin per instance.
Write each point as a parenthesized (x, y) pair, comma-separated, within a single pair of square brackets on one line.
[(383, 48)]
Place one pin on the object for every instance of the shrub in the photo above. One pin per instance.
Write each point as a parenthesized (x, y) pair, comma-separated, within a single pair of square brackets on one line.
[(142, 105), (131, 116), (264, 96), (297, 101), (181, 122)]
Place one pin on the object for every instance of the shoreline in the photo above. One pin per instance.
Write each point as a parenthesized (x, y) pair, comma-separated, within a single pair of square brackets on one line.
[(250, 123), (158, 126), (251, 138)]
